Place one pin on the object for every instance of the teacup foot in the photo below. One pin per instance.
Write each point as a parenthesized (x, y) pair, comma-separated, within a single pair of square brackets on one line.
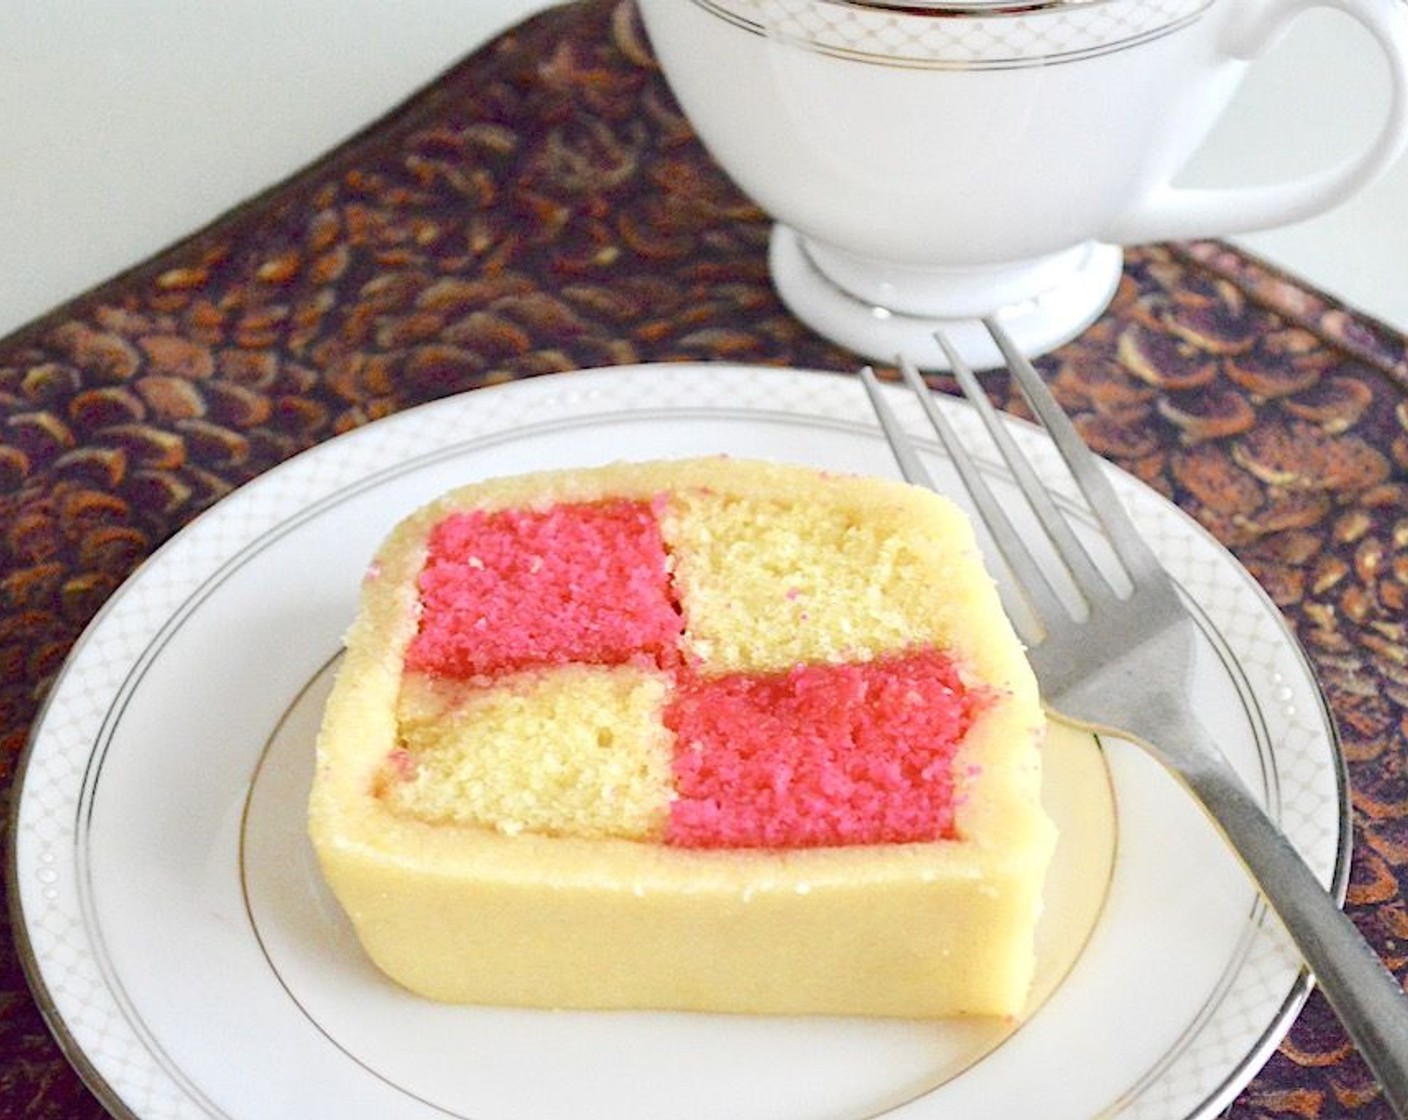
[(1052, 315)]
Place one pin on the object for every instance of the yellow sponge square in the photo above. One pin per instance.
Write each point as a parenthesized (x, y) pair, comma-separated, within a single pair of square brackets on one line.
[(576, 750)]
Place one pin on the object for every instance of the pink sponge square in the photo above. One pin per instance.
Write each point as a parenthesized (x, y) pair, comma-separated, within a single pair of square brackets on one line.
[(513, 589), (821, 755)]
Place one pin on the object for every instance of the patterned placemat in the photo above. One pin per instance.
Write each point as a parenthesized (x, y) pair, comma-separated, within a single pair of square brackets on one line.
[(545, 207)]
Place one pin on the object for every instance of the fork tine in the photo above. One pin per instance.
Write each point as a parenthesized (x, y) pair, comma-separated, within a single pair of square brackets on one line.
[(911, 466), (1089, 581), (1129, 545), (1027, 574)]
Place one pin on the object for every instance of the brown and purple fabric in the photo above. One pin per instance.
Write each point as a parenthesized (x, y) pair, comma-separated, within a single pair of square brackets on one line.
[(545, 207)]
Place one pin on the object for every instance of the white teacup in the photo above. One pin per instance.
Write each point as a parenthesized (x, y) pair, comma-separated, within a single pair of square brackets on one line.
[(933, 161)]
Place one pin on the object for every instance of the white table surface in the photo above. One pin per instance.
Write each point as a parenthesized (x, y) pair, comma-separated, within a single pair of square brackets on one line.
[(126, 124)]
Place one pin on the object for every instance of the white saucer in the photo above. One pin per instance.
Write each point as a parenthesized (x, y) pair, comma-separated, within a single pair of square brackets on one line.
[(1061, 304)]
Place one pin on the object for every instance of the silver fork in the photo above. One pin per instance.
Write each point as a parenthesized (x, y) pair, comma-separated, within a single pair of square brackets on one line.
[(1117, 662)]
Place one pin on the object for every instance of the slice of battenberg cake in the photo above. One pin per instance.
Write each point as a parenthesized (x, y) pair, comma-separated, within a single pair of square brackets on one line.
[(705, 734)]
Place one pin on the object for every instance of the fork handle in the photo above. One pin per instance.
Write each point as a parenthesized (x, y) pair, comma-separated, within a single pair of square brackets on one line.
[(1366, 996)]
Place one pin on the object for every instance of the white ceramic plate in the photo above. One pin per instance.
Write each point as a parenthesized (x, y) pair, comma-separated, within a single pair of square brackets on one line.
[(192, 964)]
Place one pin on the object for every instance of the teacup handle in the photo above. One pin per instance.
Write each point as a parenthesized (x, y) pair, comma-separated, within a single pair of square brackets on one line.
[(1171, 213)]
